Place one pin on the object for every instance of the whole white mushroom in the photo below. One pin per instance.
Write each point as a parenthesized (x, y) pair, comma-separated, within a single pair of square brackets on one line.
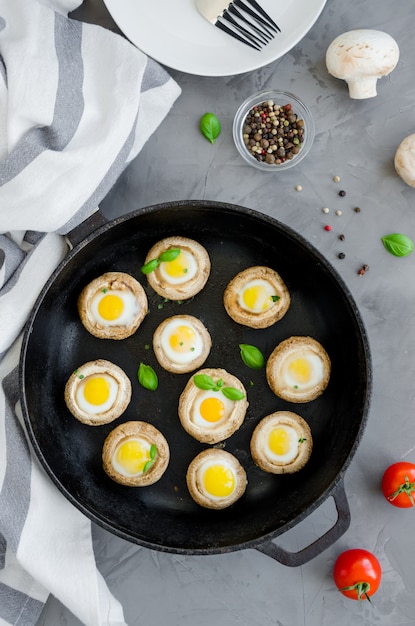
[(405, 160), (361, 57)]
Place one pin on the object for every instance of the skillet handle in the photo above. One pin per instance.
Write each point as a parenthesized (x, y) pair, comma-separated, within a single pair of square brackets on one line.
[(294, 559), (85, 228)]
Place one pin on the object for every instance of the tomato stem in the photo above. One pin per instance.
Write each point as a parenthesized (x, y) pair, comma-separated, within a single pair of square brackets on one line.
[(362, 589), (406, 487)]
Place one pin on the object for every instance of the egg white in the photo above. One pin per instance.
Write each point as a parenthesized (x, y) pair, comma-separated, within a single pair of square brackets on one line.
[(95, 409), (316, 369), (293, 444), (191, 265), (128, 314), (118, 467), (180, 357), (195, 411), (200, 474), (264, 302)]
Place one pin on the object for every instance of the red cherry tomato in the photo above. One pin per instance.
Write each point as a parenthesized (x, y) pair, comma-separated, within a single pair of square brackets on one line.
[(357, 574), (398, 484)]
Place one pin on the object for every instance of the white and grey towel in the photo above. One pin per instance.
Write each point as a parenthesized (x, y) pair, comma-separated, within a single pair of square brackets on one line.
[(77, 103)]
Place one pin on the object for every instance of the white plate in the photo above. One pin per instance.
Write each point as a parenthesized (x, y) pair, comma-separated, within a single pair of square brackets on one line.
[(175, 34)]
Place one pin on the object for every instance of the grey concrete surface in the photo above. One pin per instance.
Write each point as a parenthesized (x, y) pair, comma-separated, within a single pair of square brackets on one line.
[(355, 140)]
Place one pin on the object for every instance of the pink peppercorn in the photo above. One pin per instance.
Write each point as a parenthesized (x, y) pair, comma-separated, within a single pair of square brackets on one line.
[(327, 227)]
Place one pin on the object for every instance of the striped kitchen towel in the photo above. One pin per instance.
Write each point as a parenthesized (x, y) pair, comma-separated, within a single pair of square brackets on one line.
[(77, 103)]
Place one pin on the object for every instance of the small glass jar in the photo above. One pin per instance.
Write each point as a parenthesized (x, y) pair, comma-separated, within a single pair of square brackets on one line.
[(282, 99)]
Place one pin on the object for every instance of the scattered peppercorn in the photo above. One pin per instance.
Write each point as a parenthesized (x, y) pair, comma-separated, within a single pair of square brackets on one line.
[(336, 179), (342, 237), (326, 209), (363, 270), (365, 267), (298, 188), (327, 227), (338, 212), (357, 209), (342, 193), (273, 133), (341, 255)]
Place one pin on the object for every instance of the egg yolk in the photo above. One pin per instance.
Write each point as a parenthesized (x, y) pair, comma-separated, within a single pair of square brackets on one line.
[(300, 370), (132, 456), (182, 339), (257, 298), (178, 267), (110, 307), (218, 480), (279, 441), (96, 390), (212, 409)]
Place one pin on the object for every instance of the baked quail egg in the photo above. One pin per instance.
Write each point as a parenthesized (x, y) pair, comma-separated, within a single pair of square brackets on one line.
[(216, 479), (213, 405), (112, 306), (281, 443), (298, 369), (256, 297), (177, 268), (98, 392), (181, 343), (135, 454)]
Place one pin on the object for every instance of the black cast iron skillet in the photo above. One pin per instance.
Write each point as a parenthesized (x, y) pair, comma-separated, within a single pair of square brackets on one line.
[(163, 516)]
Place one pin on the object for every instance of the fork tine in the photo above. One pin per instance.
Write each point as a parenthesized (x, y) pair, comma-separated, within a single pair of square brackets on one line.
[(234, 34), (243, 31), (264, 18), (248, 23), (270, 21), (258, 39), (263, 34)]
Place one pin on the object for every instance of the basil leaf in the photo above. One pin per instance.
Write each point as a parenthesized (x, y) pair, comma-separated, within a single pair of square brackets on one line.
[(150, 266), (232, 394), (153, 451), (210, 126), (169, 255), (147, 465), (203, 381), (147, 377), (397, 244), (252, 356)]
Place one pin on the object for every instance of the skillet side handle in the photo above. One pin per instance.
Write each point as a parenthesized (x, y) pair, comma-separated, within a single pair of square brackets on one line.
[(294, 559), (85, 228)]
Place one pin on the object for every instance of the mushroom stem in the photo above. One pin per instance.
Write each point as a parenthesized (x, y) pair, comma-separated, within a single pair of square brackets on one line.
[(362, 88)]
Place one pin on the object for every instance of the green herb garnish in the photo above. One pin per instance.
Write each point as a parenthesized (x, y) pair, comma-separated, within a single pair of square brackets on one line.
[(147, 377), (397, 244), (275, 298), (205, 382), (252, 356), (165, 257), (232, 394), (301, 440), (210, 126), (153, 452)]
